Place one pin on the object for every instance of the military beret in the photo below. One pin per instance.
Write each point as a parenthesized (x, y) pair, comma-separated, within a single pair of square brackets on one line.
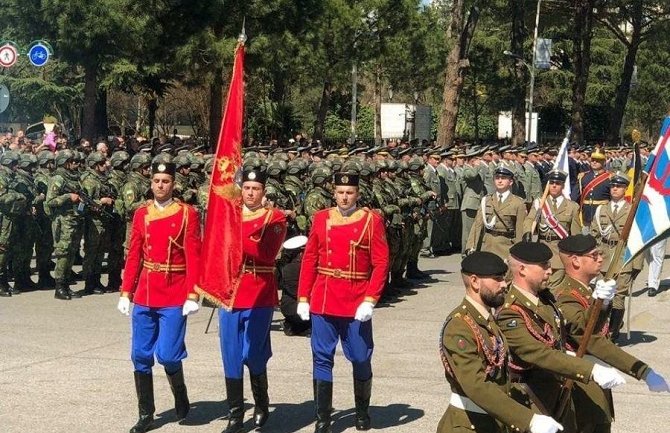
[(345, 179), (531, 252), (163, 168), (501, 170), (557, 175), (619, 178), (577, 244), (483, 263), (254, 175)]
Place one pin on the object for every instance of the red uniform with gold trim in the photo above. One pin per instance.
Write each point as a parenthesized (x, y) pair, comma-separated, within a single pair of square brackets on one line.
[(263, 233), (346, 262), (163, 259)]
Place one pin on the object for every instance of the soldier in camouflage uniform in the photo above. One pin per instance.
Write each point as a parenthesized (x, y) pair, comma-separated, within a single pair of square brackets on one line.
[(294, 186), (182, 187), (25, 225), (64, 206), (203, 189), (12, 207), (44, 246), (136, 190), (196, 176), (97, 221), (117, 227), (419, 189), (319, 196)]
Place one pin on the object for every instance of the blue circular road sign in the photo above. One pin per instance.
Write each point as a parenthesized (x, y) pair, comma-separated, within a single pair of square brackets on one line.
[(38, 54)]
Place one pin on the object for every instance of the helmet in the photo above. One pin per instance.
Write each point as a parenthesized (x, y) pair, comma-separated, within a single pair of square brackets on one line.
[(197, 161), (252, 164), (64, 156), (252, 155), (351, 167), (10, 157), (26, 160), (182, 160), (402, 166), (321, 175), (94, 158), (209, 165), (138, 160), (294, 167), (45, 157), (415, 163), (119, 158), (366, 169), (392, 165), (276, 167), (381, 165), (162, 158)]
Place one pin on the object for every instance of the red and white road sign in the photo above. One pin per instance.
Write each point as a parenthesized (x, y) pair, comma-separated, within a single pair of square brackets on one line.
[(8, 55)]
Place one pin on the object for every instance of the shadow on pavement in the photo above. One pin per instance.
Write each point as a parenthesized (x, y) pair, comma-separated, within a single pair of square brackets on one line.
[(382, 417), (636, 337)]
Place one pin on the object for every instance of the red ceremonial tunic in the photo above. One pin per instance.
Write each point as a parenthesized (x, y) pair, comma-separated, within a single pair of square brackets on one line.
[(163, 259), (263, 233), (346, 262)]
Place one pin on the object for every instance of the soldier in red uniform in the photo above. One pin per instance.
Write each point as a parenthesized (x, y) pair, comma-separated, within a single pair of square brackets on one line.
[(159, 277), (344, 268), (245, 329)]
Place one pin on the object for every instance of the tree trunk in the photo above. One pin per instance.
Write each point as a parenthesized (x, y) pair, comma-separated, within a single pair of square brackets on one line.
[(101, 123), (475, 108), (90, 96), (324, 105), (453, 79), (583, 32), (623, 90), (378, 105), (152, 107), (215, 108), (519, 86)]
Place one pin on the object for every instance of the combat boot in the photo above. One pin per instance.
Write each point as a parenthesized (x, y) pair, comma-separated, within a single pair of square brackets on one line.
[(45, 280), (178, 387), (114, 282), (323, 396), (144, 386), (259, 389), (362, 392), (5, 290), (99, 288), (23, 281), (413, 272), (62, 291), (235, 398)]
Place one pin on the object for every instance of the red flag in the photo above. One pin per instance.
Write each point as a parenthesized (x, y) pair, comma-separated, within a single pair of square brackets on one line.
[(222, 238)]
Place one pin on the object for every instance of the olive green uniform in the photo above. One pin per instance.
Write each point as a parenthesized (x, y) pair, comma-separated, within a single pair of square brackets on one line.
[(12, 206), (97, 220), (473, 191), (26, 228), (117, 230), (44, 246), (504, 225)]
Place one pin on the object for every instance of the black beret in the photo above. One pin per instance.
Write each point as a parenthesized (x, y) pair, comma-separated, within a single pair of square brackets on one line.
[(557, 175), (483, 263), (531, 252), (254, 175), (501, 170), (577, 244), (163, 167), (345, 179)]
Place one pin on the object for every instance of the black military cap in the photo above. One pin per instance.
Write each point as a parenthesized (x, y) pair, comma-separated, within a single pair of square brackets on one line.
[(501, 170), (345, 179), (619, 179), (557, 175), (505, 148), (483, 263), (531, 252), (404, 151), (577, 244), (304, 148), (163, 168), (144, 147), (166, 148), (254, 175)]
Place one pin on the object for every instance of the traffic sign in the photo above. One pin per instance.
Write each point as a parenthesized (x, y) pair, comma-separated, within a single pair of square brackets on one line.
[(38, 54), (4, 98), (8, 55)]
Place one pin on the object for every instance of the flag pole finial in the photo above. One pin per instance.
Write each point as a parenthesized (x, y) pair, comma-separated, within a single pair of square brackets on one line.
[(242, 38)]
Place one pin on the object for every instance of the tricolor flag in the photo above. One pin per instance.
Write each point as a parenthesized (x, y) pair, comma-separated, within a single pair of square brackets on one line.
[(222, 238), (562, 163), (652, 218)]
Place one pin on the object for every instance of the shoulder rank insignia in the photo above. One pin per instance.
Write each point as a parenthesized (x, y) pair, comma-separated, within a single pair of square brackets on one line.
[(512, 324)]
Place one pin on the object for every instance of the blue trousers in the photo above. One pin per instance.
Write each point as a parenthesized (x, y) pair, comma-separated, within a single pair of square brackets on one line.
[(158, 331), (244, 335), (357, 344)]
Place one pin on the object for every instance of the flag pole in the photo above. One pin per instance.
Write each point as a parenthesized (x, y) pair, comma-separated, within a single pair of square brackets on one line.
[(594, 312)]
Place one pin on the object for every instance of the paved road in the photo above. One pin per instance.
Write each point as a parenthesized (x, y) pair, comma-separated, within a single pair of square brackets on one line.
[(64, 367)]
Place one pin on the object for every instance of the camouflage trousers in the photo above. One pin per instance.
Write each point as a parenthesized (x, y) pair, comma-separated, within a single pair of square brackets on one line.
[(67, 231), (117, 237), (6, 236), (394, 236), (22, 245), (44, 246), (96, 239)]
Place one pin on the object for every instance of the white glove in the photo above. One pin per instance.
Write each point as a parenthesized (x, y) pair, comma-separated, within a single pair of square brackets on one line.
[(544, 424), (364, 311), (303, 310), (606, 377), (190, 307), (604, 290), (656, 383), (124, 305)]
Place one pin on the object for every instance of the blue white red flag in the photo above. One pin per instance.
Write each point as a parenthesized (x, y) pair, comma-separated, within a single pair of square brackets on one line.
[(652, 218)]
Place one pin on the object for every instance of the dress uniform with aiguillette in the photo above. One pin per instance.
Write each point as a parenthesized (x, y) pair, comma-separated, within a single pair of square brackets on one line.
[(161, 271), (245, 329), (344, 269)]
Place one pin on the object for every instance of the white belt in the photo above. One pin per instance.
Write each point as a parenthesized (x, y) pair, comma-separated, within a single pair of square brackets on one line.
[(464, 403), (591, 358)]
